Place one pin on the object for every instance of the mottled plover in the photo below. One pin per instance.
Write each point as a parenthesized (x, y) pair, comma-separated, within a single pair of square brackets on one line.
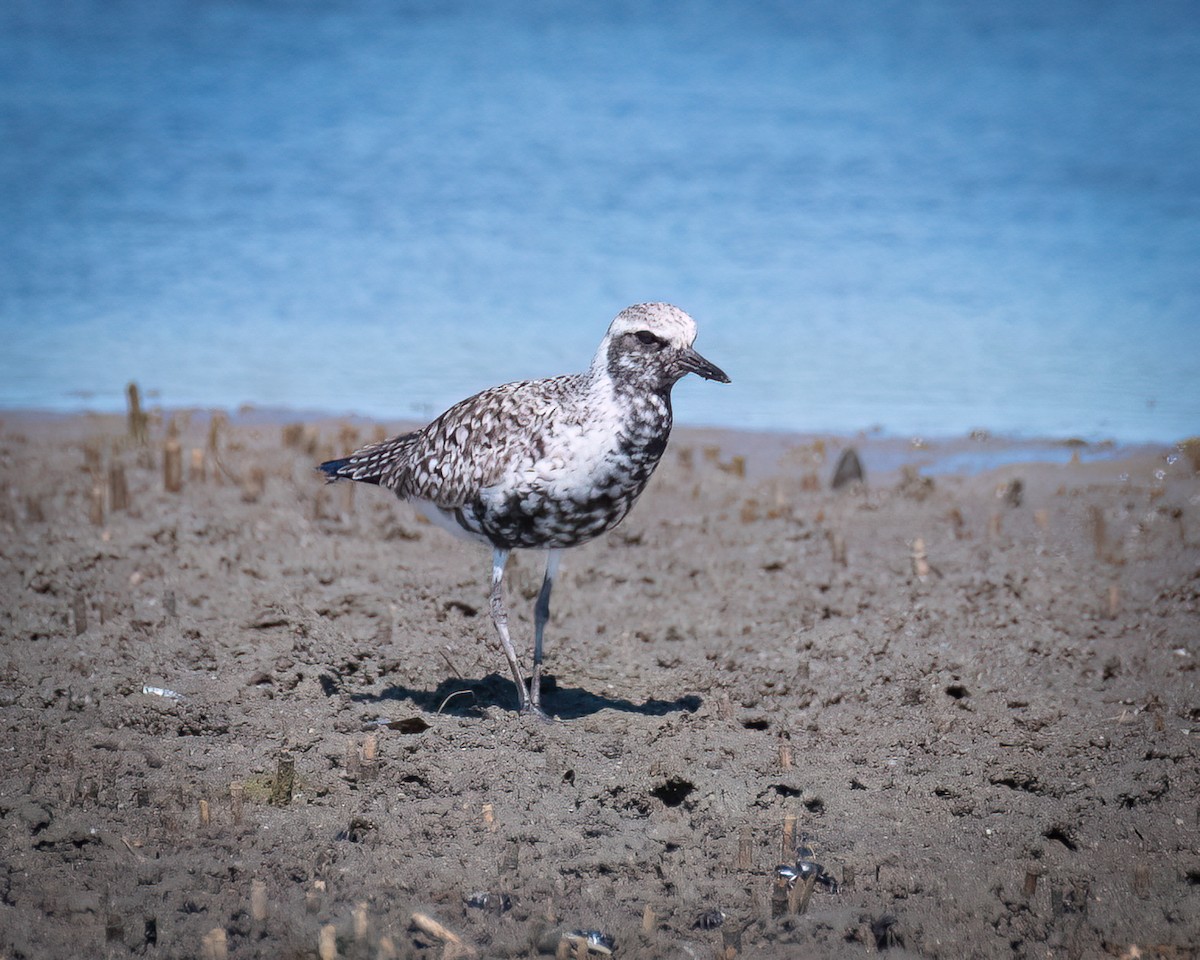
[(544, 464)]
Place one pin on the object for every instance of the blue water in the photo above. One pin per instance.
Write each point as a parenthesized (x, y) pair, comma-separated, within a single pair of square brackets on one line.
[(926, 217)]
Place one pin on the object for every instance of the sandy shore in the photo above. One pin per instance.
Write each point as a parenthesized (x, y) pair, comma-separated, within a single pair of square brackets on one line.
[(973, 696)]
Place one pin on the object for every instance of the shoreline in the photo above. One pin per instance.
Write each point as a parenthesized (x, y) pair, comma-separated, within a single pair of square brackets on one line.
[(765, 452), (244, 704)]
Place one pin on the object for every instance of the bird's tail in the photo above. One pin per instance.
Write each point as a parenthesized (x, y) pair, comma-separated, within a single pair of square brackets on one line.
[(371, 464), (340, 470)]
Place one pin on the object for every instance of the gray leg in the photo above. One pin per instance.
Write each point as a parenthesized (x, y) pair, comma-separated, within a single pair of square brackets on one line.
[(500, 620), (541, 613)]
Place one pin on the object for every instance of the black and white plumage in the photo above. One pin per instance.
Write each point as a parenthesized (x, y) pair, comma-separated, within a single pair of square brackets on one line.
[(545, 464)]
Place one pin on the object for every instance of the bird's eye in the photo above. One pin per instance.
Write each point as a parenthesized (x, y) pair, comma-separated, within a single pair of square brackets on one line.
[(646, 337)]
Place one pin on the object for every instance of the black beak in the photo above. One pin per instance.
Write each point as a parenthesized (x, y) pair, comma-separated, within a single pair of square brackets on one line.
[(692, 362)]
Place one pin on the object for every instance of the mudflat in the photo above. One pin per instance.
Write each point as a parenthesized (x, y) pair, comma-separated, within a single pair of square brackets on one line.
[(248, 714)]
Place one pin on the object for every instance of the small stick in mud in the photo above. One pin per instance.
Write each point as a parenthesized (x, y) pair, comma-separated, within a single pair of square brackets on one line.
[(118, 487), (785, 752), (648, 919), (489, 817), (1114, 601), (33, 509), (215, 945), (957, 523), (327, 942), (253, 483), (837, 547), (800, 894), (285, 781), (96, 511), (258, 900), (1141, 881), (237, 796), (920, 561), (205, 814), (510, 861), (292, 435), (745, 856), (370, 753), (779, 895), (347, 436), (214, 447), (137, 417), (454, 943), (172, 466), (114, 929), (1031, 880), (196, 469), (214, 431), (360, 921), (79, 611), (788, 847)]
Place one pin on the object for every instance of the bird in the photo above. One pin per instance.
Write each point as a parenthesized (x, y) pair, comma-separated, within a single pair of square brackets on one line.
[(544, 464)]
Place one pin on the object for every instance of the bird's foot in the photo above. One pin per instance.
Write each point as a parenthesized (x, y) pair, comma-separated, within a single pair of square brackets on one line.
[(530, 709)]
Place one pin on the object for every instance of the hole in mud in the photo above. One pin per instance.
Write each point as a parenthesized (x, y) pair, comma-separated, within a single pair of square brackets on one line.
[(673, 792), (408, 725), (466, 609), (883, 929), (1026, 782), (1063, 836), (756, 723), (815, 805), (785, 791), (957, 691), (569, 777)]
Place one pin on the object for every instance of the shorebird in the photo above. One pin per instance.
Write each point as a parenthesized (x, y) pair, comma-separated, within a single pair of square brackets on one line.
[(544, 464)]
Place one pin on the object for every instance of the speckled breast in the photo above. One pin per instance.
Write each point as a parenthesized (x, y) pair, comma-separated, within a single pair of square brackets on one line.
[(539, 514)]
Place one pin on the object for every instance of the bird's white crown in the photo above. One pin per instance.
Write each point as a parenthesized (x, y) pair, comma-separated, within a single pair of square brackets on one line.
[(661, 319)]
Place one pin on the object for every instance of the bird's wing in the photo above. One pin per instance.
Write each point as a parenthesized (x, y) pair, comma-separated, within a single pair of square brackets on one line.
[(470, 446)]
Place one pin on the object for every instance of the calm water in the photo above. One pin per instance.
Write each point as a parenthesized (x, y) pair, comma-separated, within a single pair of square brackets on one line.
[(929, 217)]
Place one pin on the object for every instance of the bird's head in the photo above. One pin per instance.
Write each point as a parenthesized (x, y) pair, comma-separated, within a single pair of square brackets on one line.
[(651, 344)]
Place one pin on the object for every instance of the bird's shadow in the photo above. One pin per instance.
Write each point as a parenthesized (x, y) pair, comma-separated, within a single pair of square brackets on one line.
[(463, 697)]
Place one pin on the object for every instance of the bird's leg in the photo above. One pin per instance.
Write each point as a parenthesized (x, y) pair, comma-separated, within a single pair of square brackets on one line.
[(541, 613), (500, 620)]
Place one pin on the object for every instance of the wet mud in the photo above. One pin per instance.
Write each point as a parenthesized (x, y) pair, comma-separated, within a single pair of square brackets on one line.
[(254, 715)]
